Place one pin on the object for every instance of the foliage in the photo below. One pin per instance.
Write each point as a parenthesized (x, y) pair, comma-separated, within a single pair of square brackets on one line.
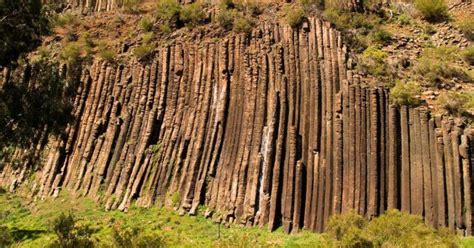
[(6, 238), (399, 229), (168, 11), (468, 55), (146, 24), (347, 230), (70, 235), (243, 24), (26, 107), (71, 53), (380, 36), (404, 19), (457, 103), (433, 10), (141, 52), (405, 93), (192, 14), (373, 62), (467, 27), (147, 37), (21, 26), (134, 237), (437, 65), (225, 19), (294, 16), (107, 54), (65, 19), (391, 229), (131, 6)]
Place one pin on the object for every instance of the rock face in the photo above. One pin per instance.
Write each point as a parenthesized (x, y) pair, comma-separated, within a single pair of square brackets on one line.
[(271, 129)]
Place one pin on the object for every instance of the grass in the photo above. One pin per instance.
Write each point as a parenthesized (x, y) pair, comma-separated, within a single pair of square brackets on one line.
[(35, 219)]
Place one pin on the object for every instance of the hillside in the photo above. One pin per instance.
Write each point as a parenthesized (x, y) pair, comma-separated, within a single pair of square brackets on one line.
[(276, 115)]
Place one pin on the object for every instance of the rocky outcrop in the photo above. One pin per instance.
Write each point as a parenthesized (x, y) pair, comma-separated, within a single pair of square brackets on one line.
[(271, 129)]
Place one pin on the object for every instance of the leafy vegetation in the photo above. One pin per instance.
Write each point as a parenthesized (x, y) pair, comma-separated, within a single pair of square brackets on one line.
[(146, 24), (468, 55), (21, 26), (437, 66), (225, 19), (243, 24), (405, 93), (141, 52), (131, 6), (69, 234), (24, 110), (373, 62), (294, 16), (457, 103), (433, 10), (392, 229), (467, 27), (192, 14)]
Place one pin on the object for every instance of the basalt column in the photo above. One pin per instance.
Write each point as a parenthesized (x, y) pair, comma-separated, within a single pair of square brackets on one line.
[(273, 128)]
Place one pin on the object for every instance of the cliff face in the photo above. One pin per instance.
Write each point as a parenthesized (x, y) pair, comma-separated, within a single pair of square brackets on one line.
[(271, 129)]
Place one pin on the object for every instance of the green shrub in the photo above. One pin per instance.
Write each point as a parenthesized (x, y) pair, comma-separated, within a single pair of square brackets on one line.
[(131, 238), (399, 229), (107, 54), (192, 14), (468, 55), (294, 16), (243, 24), (131, 6), (141, 52), (225, 19), (373, 61), (467, 27), (347, 230), (165, 28), (65, 20), (254, 8), (71, 53), (166, 10), (148, 37), (391, 229), (457, 103), (432, 10), (380, 36), (6, 238), (69, 234), (404, 19), (146, 24), (438, 65), (405, 93)]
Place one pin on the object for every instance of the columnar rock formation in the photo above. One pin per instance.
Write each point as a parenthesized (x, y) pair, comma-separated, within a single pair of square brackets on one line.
[(271, 129)]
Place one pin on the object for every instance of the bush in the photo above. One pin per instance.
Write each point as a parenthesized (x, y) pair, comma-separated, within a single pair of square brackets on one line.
[(467, 27), (141, 52), (432, 10), (468, 55), (146, 24), (225, 19), (380, 36), (71, 53), (6, 238), (294, 16), (167, 10), (374, 61), (131, 238), (457, 103), (192, 14), (405, 93), (392, 229), (346, 230), (438, 65), (131, 6), (243, 24), (404, 19), (148, 37), (65, 20), (69, 235), (399, 229), (107, 55)]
